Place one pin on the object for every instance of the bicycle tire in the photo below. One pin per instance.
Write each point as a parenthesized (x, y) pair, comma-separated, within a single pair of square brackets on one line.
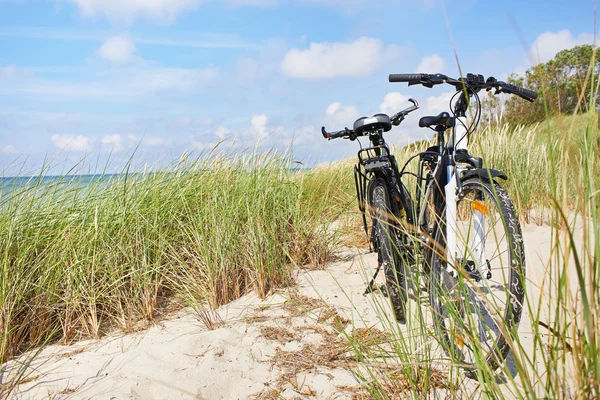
[(451, 308), (387, 250), (426, 222)]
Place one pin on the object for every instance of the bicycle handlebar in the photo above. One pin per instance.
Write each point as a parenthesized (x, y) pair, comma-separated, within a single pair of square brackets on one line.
[(474, 81), (527, 94), (337, 134), (349, 133), (410, 78)]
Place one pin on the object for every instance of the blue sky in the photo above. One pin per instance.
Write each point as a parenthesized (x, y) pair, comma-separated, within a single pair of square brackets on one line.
[(91, 78)]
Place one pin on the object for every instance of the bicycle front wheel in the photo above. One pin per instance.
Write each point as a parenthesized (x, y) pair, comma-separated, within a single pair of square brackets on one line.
[(477, 296), (387, 249)]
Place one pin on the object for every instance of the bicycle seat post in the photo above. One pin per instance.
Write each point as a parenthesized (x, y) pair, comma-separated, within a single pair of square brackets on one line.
[(440, 130)]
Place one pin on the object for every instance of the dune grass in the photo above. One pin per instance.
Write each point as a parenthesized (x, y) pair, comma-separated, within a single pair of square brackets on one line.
[(80, 259)]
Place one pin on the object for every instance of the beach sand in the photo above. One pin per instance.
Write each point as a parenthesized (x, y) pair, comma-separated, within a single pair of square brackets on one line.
[(290, 345)]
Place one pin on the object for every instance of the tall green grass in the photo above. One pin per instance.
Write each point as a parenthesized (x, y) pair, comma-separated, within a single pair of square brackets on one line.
[(543, 161), (78, 260)]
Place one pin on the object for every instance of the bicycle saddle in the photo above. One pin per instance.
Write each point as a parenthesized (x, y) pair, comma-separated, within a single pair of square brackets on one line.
[(377, 121), (444, 119)]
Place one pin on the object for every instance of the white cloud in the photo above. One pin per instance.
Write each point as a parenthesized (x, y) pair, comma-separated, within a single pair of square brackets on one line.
[(154, 141), (222, 132), (157, 142), (432, 105), (394, 102), (8, 149), (409, 129), (259, 126), (71, 142), (118, 49), (327, 60), (432, 64), (546, 45), (260, 133), (306, 135), (127, 10), (134, 139), (339, 116), (114, 141), (436, 104), (200, 143)]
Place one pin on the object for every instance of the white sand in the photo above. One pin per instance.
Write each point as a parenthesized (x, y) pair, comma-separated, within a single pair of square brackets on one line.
[(181, 359)]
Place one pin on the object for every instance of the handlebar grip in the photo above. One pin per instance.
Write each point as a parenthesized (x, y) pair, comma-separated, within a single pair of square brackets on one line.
[(410, 78), (335, 135), (530, 94), (519, 91)]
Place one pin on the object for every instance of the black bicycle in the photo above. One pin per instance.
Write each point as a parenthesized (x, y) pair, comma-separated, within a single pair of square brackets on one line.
[(459, 230)]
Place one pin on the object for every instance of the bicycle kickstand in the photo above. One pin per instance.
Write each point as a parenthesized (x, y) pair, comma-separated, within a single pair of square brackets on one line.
[(370, 288)]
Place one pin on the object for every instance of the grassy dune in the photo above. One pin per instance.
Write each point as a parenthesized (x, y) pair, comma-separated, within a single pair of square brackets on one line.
[(79, 260)]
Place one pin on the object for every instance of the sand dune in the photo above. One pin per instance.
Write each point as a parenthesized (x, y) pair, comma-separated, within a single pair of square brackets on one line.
[(291, 345)]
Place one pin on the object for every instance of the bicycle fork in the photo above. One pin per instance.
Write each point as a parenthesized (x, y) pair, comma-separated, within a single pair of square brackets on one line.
[(476, 246), (451, 196)]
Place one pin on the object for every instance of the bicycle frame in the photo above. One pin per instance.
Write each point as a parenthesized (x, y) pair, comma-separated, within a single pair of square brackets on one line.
[(447, 175), (446, 185), (443, 184), (373, 163)]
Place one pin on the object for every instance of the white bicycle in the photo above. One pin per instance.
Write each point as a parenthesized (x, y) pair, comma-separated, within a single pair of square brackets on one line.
[(459, 231)]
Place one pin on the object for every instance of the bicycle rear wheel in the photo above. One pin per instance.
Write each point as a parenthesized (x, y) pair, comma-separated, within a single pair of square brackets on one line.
[(475, 315), (387, 249)]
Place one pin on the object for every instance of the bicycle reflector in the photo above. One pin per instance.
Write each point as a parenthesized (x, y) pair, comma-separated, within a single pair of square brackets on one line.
[(480, 206)]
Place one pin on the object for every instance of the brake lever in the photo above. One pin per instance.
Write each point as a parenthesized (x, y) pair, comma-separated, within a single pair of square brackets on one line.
[(396, 121), (415, 103), (399, 117)]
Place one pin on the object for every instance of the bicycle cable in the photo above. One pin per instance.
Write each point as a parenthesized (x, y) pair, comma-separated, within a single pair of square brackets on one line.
[(476, 118)]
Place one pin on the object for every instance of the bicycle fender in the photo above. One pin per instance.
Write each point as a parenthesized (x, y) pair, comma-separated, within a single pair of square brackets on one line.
[(484, 173)]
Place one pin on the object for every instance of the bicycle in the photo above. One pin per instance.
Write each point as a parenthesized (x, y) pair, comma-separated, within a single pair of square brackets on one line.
[(442, 235)]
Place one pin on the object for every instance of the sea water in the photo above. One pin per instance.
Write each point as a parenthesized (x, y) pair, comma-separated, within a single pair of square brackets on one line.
[(22, 186)]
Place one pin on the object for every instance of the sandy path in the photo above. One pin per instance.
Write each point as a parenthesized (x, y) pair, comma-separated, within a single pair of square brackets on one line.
[(281, 346), (181, 359)]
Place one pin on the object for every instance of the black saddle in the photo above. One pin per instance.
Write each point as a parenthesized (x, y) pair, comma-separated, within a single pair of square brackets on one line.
[(376, 122), (443, 120)]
